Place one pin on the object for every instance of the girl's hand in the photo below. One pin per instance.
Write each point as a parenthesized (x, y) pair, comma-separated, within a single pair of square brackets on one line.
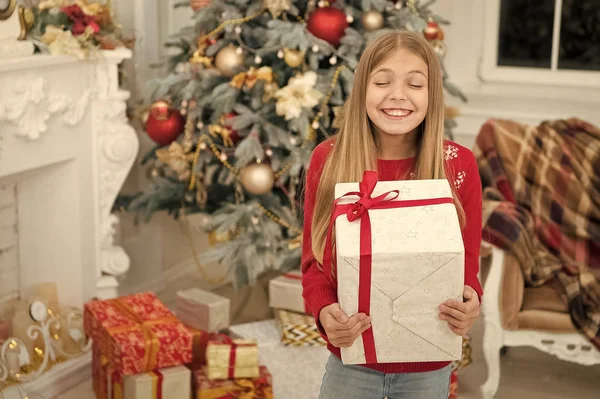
[(342, 330), (461, 315), (198, 4)]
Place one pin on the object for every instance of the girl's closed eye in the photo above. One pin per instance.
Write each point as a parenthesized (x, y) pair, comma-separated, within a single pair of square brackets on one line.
[(381, 83)]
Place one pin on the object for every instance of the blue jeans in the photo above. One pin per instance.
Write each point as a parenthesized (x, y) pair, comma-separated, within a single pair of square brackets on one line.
[(356, 382)]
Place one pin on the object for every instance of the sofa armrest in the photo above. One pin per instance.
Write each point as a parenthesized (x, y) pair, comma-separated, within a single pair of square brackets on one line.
[(504, 287)]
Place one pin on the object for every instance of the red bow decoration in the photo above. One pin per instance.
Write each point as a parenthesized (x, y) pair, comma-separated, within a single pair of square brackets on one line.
[(356, 211)]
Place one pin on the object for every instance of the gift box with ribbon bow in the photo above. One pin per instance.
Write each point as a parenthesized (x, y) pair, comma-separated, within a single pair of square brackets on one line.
[(228, 358), (137, 333), (260, 387), (399, 254)]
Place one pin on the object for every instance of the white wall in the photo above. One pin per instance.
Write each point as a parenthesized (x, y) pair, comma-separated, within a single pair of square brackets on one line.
[(156, 19)]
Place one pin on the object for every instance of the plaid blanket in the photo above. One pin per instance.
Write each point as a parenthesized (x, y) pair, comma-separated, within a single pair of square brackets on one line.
[(541, 201)]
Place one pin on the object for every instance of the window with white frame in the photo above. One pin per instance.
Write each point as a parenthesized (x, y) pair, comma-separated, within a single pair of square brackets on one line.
[(553, 42)]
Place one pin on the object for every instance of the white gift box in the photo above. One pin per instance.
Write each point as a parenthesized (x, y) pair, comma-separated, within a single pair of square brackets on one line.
[(417, 263), (285, 292), (202, 310)]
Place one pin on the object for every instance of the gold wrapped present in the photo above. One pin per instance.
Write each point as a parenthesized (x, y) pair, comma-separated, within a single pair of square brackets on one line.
[(298, 329), (228, 358), (243, 388)]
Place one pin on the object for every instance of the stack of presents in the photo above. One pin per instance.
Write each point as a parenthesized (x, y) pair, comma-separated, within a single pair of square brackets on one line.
[(143, 350)]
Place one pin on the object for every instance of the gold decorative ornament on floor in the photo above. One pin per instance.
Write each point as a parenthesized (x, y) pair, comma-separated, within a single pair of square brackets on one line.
[(17, 366)]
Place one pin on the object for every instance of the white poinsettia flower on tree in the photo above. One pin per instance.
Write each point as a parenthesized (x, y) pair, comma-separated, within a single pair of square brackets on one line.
[(299, 93)]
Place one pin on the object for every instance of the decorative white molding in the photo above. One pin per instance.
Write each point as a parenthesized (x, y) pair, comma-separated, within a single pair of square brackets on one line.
[(29, 105), (118, 144), (571, 347), (67, 182)]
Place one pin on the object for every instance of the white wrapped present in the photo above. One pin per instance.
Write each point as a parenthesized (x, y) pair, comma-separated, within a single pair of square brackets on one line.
[(285, 292), (202, 310), (171, 383), (413, 261)]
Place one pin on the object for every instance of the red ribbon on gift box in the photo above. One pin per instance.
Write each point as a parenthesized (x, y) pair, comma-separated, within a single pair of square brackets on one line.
[(224, 339), (360, 211)]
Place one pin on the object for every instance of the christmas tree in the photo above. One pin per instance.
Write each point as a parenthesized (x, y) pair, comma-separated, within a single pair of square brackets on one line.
[(254, 87)]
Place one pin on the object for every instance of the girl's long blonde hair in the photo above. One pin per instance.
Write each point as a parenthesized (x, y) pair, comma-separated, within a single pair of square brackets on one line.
[(356, 144)]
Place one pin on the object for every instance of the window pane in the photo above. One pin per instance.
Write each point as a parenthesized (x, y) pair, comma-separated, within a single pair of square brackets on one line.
[(580, 35), (525, 37)]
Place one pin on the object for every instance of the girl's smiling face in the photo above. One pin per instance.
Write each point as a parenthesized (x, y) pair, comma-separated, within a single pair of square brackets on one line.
[(397, 94)]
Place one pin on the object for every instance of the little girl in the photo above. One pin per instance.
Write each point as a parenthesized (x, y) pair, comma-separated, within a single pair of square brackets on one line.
[(393, 123)]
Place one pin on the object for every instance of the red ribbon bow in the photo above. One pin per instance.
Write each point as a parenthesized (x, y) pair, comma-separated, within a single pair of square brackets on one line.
[(360, 211), (356, 211)]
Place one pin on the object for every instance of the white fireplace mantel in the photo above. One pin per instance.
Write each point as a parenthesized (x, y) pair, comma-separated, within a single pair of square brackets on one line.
[(66, 142)]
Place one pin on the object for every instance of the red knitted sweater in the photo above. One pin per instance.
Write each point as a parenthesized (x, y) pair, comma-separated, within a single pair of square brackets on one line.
[(319, 292)]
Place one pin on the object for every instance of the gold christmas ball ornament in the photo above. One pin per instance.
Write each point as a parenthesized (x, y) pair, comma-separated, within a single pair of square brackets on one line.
[(257, 178), (293, 58), (228, 60), (372, 20)]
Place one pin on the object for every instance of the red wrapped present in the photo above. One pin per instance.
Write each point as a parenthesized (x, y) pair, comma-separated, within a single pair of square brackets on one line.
[(255, 388), (137, 333), (200, 339)]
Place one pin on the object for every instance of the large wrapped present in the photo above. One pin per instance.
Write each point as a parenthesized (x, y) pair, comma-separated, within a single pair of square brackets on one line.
[(202, 310), (399, 256), (255, 388), (285, 292), (137, 333), (168, 383), (228, 358), (298, 329)]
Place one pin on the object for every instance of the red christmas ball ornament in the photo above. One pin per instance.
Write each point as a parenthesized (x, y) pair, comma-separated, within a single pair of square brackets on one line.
[(432, 30), (164, 124), (328, 23)]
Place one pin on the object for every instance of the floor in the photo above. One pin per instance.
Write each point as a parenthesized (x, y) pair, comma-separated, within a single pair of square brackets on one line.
[(526, 374)]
